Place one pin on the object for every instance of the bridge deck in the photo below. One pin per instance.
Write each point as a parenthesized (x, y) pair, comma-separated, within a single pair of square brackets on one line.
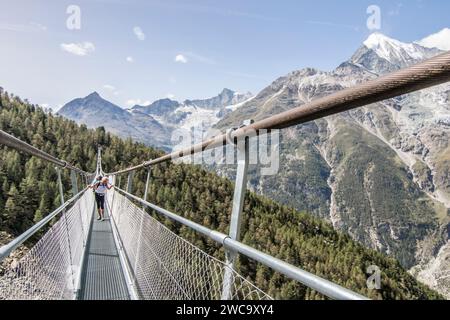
[(102, 277)]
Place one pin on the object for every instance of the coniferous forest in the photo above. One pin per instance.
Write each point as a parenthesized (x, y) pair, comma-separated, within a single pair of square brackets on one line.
[(29, 191)]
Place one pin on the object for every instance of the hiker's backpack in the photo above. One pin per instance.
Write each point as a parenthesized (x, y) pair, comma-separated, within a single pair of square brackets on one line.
[(95, 186)]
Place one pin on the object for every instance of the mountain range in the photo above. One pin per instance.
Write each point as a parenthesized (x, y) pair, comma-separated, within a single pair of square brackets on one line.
[(152, 124), (380, 173)]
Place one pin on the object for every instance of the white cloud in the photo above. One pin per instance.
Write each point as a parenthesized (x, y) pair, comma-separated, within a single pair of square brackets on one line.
[(171, 96), (39, 26), (78, 49), (130, 59), (30, 27), (109, 87), (440, 40), (133, 102), (139, 33), (180, 58), (199, 58), (192, 56)]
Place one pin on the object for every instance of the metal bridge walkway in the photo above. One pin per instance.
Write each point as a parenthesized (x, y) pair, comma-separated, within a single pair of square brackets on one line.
[(102, 277)]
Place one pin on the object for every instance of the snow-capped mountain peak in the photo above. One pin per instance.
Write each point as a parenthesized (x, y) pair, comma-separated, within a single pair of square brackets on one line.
[(381, 54), (440, 40), (391, 49), (154, 123)]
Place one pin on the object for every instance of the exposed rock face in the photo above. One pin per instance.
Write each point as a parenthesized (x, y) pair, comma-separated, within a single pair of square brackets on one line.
[(381, 172), (436, 272), (226, 98), (153, 124), (158, 108), (16, 255), (94, 111), (193, 115), (382, 54)]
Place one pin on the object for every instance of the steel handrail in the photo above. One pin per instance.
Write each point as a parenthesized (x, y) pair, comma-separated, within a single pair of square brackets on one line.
[(14, 244), (19, 145), (310, 280)]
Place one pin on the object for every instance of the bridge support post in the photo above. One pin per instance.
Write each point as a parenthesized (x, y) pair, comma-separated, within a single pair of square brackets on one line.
[(119, 182), (236, 214), (99, 161), (146, 186), (73, 179), (61, 192), (74, 182), (113, 182), (64, 216), (141, 226), (130, 182)]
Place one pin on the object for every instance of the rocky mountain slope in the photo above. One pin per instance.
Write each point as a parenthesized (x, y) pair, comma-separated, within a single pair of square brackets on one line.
[(193, 116), (381, 173), (152, 124), (94, 111)]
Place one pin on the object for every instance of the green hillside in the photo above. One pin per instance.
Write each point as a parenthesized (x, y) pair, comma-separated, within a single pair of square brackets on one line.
[(29, 191)]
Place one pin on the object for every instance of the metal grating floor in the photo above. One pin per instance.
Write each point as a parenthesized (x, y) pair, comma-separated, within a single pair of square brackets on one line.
[(102, 277)]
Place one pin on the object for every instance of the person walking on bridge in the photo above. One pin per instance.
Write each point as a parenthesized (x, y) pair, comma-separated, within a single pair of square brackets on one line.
[(100, 188), (98, 179)]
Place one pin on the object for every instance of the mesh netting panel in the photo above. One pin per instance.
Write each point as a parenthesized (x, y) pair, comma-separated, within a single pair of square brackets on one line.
[(51, 269), (165, 266)]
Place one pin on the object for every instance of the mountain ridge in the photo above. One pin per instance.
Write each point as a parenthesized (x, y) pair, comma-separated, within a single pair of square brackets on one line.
[(95, 111), (152, 124)]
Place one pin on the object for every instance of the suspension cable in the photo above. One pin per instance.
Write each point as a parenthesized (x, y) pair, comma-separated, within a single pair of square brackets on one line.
[(19, 145)]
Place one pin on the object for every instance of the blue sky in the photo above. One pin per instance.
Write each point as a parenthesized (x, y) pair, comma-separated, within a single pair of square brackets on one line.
[(240, 44)]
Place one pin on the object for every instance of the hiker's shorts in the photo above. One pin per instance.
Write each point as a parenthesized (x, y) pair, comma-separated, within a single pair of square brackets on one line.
[(100, 200)]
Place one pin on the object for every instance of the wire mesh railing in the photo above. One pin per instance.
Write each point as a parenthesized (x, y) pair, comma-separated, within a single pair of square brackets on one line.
[(51, 269), (164, 265)]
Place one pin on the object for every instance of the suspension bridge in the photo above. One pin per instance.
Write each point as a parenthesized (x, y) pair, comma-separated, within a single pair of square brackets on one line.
[(131, 255)]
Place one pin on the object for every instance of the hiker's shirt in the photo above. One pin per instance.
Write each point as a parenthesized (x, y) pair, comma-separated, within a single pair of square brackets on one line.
[(101, 189)]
